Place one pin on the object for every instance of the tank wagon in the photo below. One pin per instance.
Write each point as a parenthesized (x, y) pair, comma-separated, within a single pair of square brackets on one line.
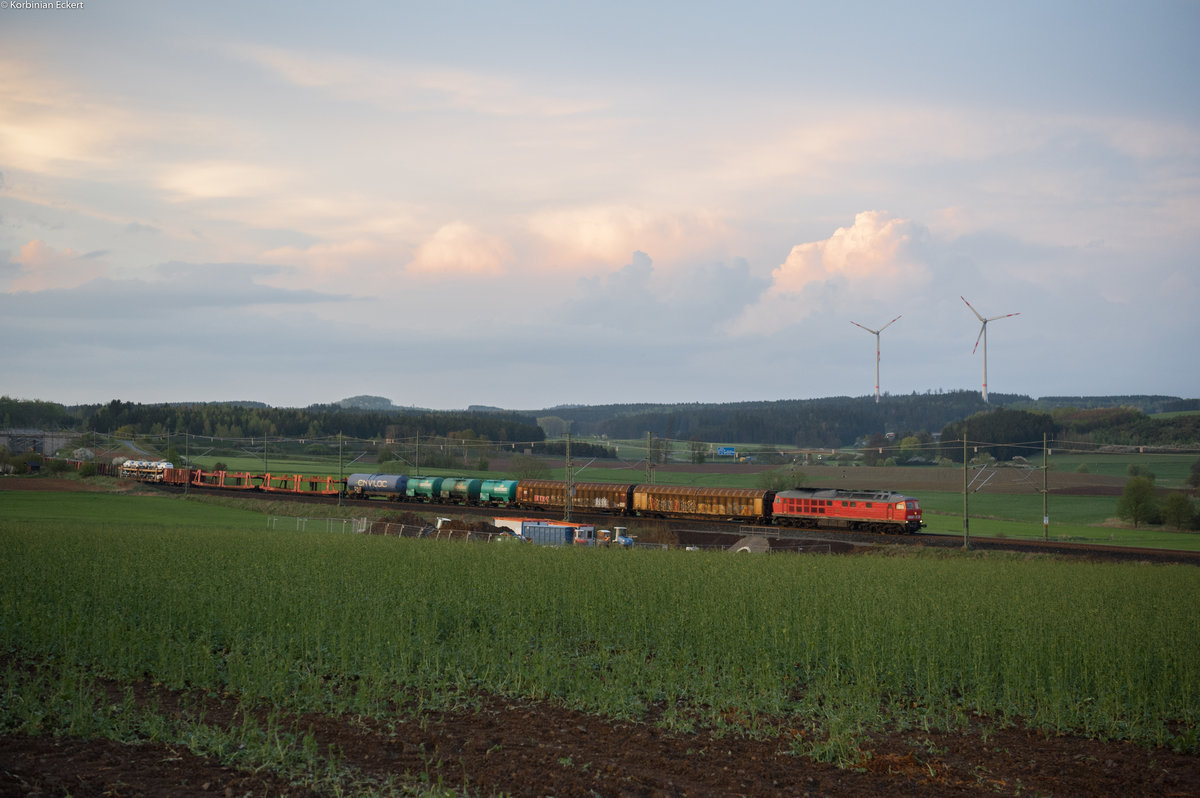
[(424, 489), (498, 492), (383, 486)]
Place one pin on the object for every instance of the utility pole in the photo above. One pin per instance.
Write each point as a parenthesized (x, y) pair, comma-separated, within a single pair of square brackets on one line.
[(1045, 492), (966, 516), (649, 461), (570, 500)]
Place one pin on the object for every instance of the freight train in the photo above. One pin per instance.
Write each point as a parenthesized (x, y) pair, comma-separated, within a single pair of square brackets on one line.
[(881, 511)]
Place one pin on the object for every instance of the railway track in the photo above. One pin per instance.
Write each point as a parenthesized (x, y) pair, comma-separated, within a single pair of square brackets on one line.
[(718, 533)]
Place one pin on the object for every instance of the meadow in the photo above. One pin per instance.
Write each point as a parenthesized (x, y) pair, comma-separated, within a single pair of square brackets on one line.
[(820, 652)]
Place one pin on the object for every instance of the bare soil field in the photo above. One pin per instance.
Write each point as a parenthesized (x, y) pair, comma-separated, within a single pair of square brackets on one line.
[(525, 748)]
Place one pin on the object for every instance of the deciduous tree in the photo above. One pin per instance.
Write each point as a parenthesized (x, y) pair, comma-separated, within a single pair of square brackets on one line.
[(1138, 503)]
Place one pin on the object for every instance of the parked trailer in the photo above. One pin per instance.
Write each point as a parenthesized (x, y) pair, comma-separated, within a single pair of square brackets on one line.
[(549, 533)]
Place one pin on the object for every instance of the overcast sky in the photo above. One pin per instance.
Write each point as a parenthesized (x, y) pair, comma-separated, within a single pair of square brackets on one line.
[(527, 204)]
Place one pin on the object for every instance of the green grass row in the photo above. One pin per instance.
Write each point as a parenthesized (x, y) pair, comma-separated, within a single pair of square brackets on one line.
[(819, 650), (1019, 516)]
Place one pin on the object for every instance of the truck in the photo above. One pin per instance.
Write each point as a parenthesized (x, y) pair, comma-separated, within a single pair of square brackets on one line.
[(562, 533)]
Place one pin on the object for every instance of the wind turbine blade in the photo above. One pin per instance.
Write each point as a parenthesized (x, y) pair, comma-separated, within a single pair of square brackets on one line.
[(973, 310), (981, 329), (1005, 316), (889, 324), (868, 329)]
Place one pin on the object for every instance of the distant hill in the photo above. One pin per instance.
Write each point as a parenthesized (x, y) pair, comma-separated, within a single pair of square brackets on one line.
[(365, 402), (828, 422), (825, 423)]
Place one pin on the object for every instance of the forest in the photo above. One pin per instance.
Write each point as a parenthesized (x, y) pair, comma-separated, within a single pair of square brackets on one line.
[(833, 422)]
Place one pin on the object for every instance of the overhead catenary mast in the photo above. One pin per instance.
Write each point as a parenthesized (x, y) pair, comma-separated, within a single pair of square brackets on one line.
[(983, 335), (876, 334)]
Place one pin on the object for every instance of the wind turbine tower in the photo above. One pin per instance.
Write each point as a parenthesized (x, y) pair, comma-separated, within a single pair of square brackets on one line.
[(983, 335), (876, 334)]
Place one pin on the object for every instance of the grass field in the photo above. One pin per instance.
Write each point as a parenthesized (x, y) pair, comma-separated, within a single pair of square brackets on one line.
[(831, 648), (1004, 501), (103, 510)]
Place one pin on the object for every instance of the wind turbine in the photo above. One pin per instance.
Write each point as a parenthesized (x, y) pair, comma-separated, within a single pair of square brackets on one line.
[(983, 335), (876, 334)]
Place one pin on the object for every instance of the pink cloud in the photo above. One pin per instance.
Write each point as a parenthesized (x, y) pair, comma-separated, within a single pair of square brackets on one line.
[(872, 248), (43, 268), (872, 260), (456, 249)]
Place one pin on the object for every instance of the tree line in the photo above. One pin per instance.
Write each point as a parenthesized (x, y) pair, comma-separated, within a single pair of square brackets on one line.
[(244, 420), (1007, 423)]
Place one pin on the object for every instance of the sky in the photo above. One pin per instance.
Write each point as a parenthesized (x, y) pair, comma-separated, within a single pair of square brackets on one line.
[(530, 204)]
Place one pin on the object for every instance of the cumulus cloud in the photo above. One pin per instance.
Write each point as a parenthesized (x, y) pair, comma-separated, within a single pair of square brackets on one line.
[(594, 236), (664, 304), (874, 259), (42, 268), (458, 249)]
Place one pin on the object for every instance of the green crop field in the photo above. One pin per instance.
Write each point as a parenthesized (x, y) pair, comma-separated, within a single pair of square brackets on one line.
[(105, 510), (819, 651)]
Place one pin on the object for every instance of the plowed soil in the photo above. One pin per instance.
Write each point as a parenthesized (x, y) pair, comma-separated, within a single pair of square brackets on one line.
[(524, 748)]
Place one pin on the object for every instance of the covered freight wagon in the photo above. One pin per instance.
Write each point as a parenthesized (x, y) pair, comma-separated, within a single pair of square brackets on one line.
[(550, 494), (735, 504)]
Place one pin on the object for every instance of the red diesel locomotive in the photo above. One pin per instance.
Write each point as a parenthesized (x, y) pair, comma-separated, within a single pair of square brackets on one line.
[(858, 510)]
